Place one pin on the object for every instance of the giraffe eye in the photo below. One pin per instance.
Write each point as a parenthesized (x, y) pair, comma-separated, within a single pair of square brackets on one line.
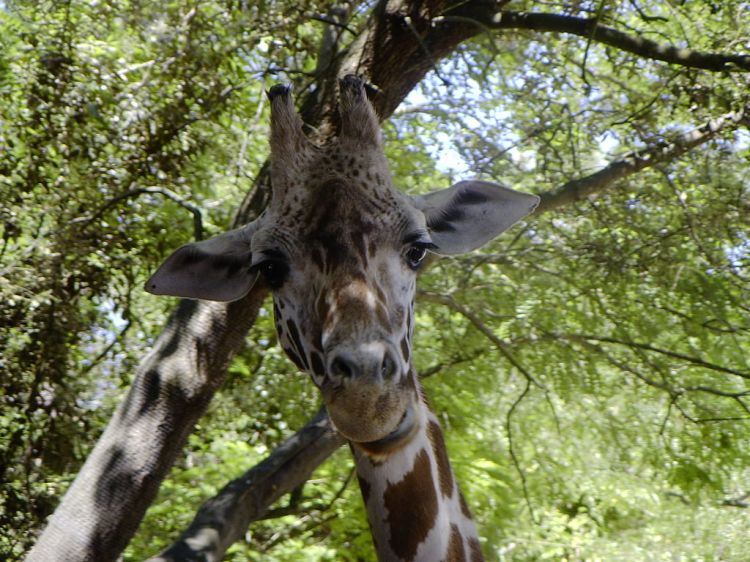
[(416, 255), (274, 272)]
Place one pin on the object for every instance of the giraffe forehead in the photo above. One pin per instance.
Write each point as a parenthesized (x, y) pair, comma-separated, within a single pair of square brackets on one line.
[(343, 222), (342, 204)]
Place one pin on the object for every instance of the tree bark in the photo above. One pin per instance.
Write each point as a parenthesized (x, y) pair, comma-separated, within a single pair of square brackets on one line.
[(489, 19)]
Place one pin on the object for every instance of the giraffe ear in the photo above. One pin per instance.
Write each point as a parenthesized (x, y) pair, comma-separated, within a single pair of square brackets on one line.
[(469, 214), (217, 269)]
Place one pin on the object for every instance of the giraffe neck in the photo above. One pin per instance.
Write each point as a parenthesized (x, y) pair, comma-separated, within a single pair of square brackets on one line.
[(415, 509)]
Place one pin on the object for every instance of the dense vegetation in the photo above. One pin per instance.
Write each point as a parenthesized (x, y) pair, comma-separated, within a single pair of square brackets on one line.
[(591, 368)]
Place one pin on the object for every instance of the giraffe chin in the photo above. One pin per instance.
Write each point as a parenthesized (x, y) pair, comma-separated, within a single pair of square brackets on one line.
[(365, 411), (405, 430), (363, 415), (358, 434)]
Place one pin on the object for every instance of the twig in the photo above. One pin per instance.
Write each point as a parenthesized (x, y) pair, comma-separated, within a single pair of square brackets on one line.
[(294, 507), (95, 361), (331, 21), (643, 16), (163, 191), (456, 360), (482, 327), (663, 426), (511, 450), (674, 354), (428, 54)]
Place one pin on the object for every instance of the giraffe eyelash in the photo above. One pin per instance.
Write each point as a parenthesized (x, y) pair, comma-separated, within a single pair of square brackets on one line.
[(274, 271), (416, 254)]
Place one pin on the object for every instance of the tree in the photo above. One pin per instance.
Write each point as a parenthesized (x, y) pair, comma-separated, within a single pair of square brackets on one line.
[(616, 266)]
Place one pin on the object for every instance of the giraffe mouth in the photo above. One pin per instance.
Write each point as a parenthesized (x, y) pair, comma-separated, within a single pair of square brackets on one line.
[(405, 429)]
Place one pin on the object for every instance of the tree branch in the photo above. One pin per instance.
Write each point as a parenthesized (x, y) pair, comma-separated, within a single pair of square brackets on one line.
[(224, 518), (486, 18), (512, 450), (502, 346), (132, 193), (580, 188), (739, 501), (647, 347)]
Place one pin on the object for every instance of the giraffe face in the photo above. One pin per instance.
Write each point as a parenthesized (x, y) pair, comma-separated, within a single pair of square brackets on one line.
[(342, 259), (340, 248)]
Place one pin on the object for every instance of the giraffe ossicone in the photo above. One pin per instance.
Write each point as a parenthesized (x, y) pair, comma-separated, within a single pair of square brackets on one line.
[(340, 247)]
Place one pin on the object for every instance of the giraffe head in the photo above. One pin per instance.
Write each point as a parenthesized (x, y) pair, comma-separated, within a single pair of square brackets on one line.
[(340, 248)]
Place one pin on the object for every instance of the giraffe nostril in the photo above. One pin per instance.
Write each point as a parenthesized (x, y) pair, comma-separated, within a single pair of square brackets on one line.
[(342, 366), (371, 361), (388, 368)]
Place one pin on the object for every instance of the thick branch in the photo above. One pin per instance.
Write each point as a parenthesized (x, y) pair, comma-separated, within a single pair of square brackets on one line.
[(634, 162), (224, 518), (487, 18), (174, 383)]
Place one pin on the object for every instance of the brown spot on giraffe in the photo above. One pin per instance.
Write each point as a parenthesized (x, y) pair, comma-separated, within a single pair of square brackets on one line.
[(297, 341), (405, 348), (464, 507), (410, 521), (316, 255), (364, 487), (476, 550), (441, 456), (316, 362), (455, 546), (294, 357)]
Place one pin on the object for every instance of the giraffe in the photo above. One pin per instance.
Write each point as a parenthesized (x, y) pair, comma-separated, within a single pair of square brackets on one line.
[(340, 248)]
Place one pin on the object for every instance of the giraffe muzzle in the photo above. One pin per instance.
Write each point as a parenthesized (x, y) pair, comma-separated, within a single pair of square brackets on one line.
[(367, 397), (373, 362)]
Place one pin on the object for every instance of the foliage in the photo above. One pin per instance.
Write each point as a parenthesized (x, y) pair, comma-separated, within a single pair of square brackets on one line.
[(590, 367)]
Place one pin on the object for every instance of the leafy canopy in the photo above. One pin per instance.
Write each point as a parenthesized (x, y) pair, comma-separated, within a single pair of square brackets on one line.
[(590, 367)]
